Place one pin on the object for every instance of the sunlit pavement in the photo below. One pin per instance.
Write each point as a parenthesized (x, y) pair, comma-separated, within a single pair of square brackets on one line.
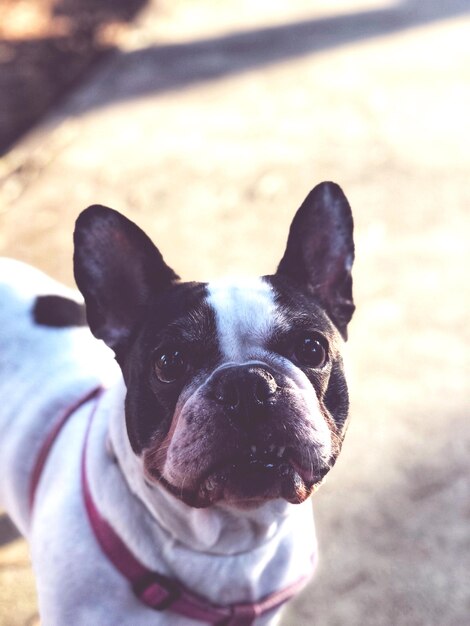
[(208, 128)]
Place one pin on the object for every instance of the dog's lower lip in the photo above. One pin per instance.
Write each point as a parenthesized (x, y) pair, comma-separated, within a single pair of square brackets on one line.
[(251, 478), (301, 470)]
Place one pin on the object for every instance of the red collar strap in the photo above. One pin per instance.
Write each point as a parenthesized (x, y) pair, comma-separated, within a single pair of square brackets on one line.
[(50, 440), (153, 589)]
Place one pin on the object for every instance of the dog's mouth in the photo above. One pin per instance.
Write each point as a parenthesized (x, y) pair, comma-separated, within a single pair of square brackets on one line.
[(250, 478), (261, 474)]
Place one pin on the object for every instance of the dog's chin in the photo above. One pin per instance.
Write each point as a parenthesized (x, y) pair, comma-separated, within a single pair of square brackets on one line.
[(246, 485)]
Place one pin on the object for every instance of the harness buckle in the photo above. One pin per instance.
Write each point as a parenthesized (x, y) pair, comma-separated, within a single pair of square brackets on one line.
[(156, 591)]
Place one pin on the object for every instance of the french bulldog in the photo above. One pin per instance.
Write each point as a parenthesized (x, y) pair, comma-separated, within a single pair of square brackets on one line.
[(162, 475)]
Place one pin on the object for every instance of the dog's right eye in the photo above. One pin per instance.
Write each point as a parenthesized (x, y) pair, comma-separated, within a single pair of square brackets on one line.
[(311, 351), (170, 365)]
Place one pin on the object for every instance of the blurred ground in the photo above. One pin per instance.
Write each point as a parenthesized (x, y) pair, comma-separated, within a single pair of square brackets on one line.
[(208, 127)]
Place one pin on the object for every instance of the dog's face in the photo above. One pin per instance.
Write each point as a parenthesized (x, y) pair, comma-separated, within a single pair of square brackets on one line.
[(235, 389)]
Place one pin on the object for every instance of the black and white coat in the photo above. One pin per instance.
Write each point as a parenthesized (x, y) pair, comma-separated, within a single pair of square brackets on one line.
[(156, 454)]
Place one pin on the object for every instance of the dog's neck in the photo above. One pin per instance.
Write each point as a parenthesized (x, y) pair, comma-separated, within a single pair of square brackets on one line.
[(218, 529)]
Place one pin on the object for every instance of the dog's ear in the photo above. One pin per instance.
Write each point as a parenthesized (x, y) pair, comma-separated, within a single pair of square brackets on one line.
[(116, 268), (320, 251)]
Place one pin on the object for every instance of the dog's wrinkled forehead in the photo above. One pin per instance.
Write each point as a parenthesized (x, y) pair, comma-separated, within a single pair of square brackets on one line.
[(246, 315)]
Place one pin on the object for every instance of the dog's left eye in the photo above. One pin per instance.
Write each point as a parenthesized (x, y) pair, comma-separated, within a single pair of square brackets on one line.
[(170, 365), (311, 351)]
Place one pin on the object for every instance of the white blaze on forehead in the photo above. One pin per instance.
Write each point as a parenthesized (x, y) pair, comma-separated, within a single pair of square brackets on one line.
[(245, 313)]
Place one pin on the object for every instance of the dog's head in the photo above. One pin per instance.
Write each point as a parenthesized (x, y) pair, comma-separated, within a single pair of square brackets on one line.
[(235, 389)]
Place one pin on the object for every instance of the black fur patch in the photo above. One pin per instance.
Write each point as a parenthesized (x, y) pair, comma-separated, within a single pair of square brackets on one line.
[(177, 317), (58, 312), (305, 311)]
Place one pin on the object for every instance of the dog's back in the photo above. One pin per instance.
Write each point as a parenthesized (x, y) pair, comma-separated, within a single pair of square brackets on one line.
[(48, 360)]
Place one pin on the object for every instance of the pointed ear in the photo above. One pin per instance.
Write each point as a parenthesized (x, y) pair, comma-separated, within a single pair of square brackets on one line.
[(320, 251), (117, 268)]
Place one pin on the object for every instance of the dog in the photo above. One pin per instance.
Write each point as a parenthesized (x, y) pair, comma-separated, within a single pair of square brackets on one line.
[(162, 475)]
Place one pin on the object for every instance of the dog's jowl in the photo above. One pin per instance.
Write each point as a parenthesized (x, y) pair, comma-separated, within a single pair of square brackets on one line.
[(173, 487)]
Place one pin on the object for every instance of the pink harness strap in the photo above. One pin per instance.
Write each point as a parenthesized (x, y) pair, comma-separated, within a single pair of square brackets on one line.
[(49, 442), (155, 590)]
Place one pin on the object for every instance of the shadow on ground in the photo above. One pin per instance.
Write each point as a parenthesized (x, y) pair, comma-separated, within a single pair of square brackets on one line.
[(35, 72), (181, 65)]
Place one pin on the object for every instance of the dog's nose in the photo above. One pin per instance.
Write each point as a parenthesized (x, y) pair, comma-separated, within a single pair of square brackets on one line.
[(242, 388)]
